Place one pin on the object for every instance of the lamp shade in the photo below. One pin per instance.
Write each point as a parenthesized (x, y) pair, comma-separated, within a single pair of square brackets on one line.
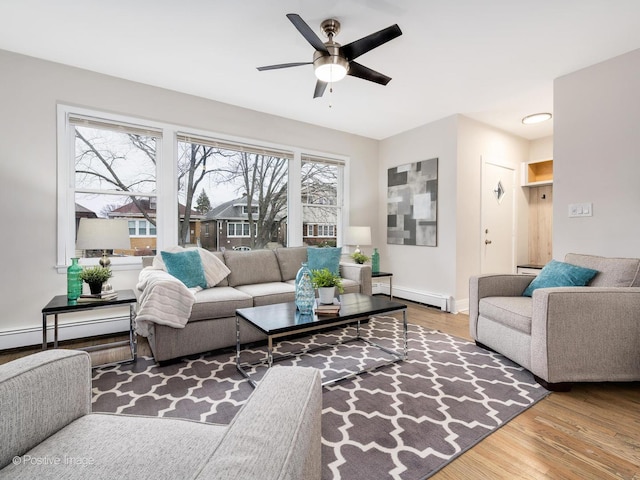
[(358, 236), (103, 234)]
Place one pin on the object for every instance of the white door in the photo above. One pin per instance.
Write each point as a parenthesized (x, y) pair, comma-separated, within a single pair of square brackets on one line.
[(497, 238)]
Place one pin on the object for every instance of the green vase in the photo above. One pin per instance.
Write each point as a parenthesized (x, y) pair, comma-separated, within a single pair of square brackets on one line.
[(74, 283), (375, 261)]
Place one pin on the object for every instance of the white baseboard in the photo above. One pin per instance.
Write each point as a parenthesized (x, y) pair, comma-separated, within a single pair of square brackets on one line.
[(444, 302), (27, 337)]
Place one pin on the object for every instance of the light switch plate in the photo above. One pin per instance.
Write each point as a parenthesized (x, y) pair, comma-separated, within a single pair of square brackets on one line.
[(581, 209)]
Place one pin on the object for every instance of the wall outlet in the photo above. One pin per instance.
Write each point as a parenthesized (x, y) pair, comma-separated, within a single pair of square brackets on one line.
[(581, 209)]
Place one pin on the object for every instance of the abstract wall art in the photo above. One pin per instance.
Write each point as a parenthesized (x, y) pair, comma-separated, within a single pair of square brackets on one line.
[(412, 204)]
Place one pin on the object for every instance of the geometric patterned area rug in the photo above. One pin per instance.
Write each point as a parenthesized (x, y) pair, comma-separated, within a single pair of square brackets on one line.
[(406, 420)]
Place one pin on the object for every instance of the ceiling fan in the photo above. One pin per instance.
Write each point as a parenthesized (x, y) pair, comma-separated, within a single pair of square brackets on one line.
[(331, 61)]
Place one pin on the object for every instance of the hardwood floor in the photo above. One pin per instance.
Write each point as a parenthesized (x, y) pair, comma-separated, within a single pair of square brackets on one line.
[(591, 432)]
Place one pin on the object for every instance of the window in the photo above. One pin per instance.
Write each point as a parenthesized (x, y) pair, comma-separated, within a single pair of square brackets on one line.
[(245, 210), (113, 166), (240, 229), (141, 228), (321, 187), (113, 173), (242, 181)]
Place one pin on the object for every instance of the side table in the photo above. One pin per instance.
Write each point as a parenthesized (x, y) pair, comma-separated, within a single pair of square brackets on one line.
[(388, 275), (60, 305)]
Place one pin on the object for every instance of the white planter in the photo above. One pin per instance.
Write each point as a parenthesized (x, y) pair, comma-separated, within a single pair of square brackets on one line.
[(326, 295)]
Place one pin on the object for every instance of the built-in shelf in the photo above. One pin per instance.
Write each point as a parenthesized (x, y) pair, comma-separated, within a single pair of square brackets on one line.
[(537, 173)]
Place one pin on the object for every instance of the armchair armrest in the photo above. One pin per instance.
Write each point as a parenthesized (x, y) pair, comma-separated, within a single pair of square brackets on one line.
[(360, 273), (39, 395), (493, 285), (277, 433), (586, 334)]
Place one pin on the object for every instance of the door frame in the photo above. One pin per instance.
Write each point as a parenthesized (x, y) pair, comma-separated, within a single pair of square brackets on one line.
[(514, 217)]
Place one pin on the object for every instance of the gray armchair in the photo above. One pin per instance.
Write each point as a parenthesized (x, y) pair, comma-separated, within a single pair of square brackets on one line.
[(48, 430), (564, 334)]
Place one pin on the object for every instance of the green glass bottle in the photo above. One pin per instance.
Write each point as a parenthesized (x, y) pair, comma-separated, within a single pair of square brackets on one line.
[(74, 283), (375, 261)]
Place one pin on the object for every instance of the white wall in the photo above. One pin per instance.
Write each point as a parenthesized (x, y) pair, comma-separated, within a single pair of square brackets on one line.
[(459, 143), (597, 158), (30, 89), (541, 149), (422, 269), (477, 141)]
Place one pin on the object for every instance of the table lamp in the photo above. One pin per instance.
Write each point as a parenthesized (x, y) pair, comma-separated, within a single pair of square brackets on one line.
[(358, 236), (103, 234)]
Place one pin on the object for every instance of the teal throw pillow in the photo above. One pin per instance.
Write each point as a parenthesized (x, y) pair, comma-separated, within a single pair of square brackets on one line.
[(325, 257), (186, 266), (560, 274)]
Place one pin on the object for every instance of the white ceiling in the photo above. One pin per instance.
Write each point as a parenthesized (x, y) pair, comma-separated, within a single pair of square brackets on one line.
[(492, 60)]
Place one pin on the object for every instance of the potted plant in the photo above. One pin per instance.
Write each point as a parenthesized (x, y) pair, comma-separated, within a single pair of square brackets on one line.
[(359, 257), (326, 282), (95, 277)]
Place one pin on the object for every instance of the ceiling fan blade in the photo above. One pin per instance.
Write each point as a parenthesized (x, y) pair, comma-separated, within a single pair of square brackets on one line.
[(307, 33), (320, 88), (283, 65), (355, 49), (360, 71)]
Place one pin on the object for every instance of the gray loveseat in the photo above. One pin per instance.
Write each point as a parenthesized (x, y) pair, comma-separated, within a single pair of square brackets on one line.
[(48, 430), (258, 277), (564, 335)]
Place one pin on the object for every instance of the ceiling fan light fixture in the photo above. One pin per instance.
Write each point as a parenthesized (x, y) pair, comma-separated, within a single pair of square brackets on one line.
[(536, 118), (330, 72), (330, 68)]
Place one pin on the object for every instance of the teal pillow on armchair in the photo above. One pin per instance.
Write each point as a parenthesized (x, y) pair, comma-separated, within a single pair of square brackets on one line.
[(560, 274)]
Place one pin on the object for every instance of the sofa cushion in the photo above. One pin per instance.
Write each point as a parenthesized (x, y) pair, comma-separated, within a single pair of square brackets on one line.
[(224, 282), (560, 274), (103, 446), (612, 272), (290, 260), (218, 302), (255, 266), (185, 266), (326, 257), (514, 312), (269, 293)]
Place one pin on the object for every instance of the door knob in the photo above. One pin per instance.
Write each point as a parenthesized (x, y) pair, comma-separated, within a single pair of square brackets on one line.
[(487, 242)]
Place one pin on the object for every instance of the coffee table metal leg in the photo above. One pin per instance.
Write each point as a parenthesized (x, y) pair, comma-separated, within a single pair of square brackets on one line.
[(269, 351), (238, 364)]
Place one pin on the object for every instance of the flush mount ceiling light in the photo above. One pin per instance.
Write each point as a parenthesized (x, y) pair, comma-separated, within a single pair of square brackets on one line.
[(536, 118)]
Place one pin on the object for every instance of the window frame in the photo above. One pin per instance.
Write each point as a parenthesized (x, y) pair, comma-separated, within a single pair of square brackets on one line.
[(167, 181)]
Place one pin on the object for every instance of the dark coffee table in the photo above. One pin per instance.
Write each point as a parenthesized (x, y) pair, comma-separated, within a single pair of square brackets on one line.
[(282, 319)]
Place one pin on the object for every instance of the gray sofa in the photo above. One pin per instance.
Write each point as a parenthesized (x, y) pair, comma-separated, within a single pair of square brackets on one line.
[(258, 277), (48, 430), (568, 334)]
